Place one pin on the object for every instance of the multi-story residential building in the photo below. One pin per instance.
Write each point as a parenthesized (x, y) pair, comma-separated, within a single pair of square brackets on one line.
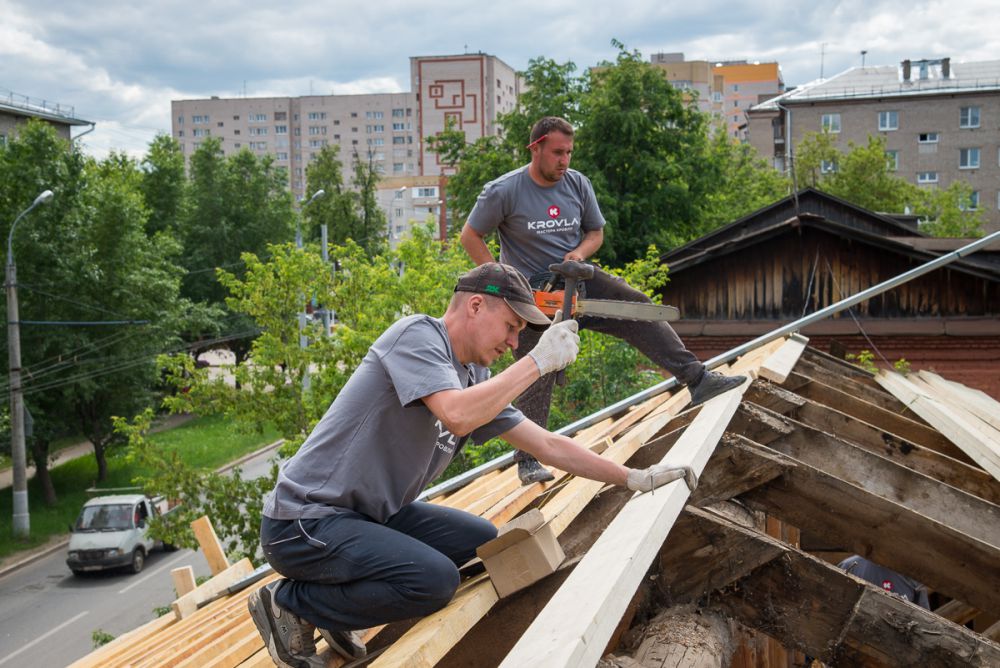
[(940, 121), (16, 109), (387, 129), (726, 89)]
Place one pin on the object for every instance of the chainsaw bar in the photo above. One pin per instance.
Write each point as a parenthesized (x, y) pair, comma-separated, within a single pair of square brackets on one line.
[(609, 308)]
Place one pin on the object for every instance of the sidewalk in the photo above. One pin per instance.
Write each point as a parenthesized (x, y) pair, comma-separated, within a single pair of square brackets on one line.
[(86, 448)]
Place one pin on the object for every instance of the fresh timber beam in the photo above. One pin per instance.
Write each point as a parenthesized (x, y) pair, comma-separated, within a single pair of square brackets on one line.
[(958, 474), (805, 603), (884, 531), (877, 475), (978, 443), (575, 626)]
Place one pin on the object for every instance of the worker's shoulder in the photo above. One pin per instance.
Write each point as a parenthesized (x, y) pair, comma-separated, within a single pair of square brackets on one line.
[(509, 181), (418, 325)]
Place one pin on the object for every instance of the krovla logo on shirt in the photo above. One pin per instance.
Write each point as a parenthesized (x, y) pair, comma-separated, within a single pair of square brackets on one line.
[(553, 211)]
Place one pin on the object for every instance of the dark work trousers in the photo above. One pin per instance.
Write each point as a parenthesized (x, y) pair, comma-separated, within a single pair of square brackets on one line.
[(349, 572), (657, 340)]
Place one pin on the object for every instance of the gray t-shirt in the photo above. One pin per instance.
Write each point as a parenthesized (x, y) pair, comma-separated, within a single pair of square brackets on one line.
[(379, 446), (887, 579), (537, 226)]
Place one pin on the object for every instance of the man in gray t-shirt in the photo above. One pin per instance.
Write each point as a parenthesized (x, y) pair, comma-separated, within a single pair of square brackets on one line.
[(343, 525), (546, 213)]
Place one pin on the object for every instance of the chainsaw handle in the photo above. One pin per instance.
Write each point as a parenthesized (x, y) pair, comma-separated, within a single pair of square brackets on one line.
[(572, 273)]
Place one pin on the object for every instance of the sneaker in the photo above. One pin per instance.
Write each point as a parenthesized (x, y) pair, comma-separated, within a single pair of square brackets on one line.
[(529, 471), (712, 384), (347, 644), (288, 637)]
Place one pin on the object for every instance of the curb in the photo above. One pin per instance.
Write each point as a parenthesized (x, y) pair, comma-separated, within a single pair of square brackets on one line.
[(63, 544)]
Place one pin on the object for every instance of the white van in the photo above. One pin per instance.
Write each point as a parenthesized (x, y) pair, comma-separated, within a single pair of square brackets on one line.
[(111, 532)]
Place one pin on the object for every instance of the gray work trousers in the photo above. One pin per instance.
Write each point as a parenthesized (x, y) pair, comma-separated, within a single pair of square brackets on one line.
[(657, 340), (348, 572)]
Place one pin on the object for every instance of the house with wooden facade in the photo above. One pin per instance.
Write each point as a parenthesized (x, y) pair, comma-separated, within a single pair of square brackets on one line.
[(810, 250)]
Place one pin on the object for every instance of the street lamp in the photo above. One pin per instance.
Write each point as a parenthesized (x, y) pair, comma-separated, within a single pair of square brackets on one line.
[(298, 221), (21, 519)]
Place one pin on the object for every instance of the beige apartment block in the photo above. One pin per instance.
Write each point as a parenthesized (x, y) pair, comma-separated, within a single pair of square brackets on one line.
[(726, 90), (389, 130), (940, 121), (469, 90)]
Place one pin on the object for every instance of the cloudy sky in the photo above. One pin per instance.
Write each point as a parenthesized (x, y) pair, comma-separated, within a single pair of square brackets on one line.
[(120, 63)]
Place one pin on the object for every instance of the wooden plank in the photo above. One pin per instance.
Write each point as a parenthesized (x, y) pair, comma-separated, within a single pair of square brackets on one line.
[(215, 555), (875, 474), (973, 441), (184, 581), (957, 611), (983, 405), (778, 366), (574, 628), (959, 474), (813, 606), (882, 530), (957, 398), (187, 604), (913, 431), (430, 639), (103, 655)]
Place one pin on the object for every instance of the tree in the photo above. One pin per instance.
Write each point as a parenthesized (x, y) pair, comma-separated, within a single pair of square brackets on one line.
[(237, 204), (645, 148), (163, 185), (864, 175), (743, 182), (337, 209), (374, 225)]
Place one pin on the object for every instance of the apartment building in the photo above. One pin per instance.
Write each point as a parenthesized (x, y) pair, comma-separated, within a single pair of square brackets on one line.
[(726, 89), (387, 129), (940, 120), (17, 109)]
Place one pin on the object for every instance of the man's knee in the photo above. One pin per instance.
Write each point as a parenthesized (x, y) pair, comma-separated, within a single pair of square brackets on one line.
[(437, 587)]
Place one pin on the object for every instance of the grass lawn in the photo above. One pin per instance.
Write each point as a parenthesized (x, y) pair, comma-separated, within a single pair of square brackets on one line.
[(206, 443)]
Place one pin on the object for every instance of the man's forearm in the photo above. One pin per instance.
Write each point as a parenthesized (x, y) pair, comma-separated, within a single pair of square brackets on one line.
[(589, 245), (565, 453), (475, 246)]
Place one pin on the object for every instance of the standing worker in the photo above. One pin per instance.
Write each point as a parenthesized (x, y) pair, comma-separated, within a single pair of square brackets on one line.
[(342, 525), (545, 213)]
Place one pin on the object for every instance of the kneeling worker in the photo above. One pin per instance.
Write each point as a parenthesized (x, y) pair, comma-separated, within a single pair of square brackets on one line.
[(342, 524)]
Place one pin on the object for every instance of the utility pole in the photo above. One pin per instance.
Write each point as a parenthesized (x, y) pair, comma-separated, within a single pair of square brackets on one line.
[(303, 339), (21, 519)]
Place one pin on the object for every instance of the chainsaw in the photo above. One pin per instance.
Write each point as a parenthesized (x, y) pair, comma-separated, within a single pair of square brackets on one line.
[(561, 288)]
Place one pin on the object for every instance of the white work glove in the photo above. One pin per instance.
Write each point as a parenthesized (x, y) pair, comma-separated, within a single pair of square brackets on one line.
[(646, 480), (558, 346)]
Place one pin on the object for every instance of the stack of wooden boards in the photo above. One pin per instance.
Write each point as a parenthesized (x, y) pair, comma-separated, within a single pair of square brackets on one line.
[(811, 442)]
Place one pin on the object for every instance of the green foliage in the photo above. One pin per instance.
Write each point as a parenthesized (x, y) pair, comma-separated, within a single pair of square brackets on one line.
[(864, 176), (902, 366), (100, 637), (864, 359), (743, 182), (164, 185)]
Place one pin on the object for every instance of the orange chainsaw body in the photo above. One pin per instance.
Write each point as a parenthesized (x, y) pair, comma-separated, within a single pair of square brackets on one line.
[(550, 302)]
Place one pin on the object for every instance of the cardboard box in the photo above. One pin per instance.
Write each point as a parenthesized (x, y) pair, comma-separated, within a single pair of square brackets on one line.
[(524, 551)]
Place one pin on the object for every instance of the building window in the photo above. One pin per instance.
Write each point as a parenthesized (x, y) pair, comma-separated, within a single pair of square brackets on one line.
[(397, 113), (236, 132), (968, 117), (257, 145), (180, 120), (968, 158), (199, 119), (892, 158), (281, 115), (973, 202), (236, 117), (281, 129), (258, 131), (257, 118), (888, 120), (354, 114), (716, 96), (927, 177), (927, 138), (315, 143), (202, 132), (3, 138), (427, 192), (282, 156), (317, 130), (831, 123), (399, 140), (828, 166)]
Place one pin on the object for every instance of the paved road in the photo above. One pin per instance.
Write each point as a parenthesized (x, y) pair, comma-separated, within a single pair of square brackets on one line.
[(47, 615)]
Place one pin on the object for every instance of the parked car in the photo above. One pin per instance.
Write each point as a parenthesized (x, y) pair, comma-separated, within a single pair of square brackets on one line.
[(112, 532)]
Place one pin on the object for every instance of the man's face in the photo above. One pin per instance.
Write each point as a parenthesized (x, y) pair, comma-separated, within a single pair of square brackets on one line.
[(551, 156), (497, 329)]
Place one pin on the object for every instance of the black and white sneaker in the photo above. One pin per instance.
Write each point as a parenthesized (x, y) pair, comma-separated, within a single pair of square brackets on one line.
[(290, 640), (530, 471), (347, 644), (712, 384)]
